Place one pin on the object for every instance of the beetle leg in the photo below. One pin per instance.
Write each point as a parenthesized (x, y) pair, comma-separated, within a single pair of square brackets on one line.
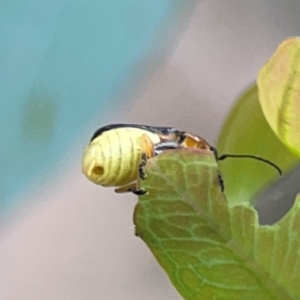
[(147, 152), (221, 182), (137, 188), (137, 192), (131, 187), (143, 163), (215, 151), (126, 188)]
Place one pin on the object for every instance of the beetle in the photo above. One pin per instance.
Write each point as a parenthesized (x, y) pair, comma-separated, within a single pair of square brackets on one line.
[(117, 153)]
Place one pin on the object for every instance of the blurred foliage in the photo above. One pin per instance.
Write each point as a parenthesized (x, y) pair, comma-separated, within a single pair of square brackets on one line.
[(209, 249), (246, 131), (279, 93)]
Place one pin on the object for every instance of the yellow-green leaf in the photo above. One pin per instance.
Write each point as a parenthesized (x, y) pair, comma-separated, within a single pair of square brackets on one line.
[(208, 249), (246, 131), (279, 93)]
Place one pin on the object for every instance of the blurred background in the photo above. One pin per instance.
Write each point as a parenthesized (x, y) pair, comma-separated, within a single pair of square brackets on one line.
[(70, 67)]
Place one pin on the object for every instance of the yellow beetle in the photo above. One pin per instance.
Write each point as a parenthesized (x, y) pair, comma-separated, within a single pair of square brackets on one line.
[(117, 153)]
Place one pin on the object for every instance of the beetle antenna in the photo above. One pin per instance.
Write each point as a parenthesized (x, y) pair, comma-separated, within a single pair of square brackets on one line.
[(224, 156)]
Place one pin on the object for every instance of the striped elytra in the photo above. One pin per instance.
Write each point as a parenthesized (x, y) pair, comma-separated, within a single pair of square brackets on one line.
[(112, 158)]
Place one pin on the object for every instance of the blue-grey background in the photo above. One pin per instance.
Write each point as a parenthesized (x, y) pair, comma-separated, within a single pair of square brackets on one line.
[(68, 67), (60, 62)]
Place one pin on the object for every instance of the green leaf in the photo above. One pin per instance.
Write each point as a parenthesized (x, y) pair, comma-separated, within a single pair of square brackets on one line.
[(279, 93), (246, 131), (208, 249)]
